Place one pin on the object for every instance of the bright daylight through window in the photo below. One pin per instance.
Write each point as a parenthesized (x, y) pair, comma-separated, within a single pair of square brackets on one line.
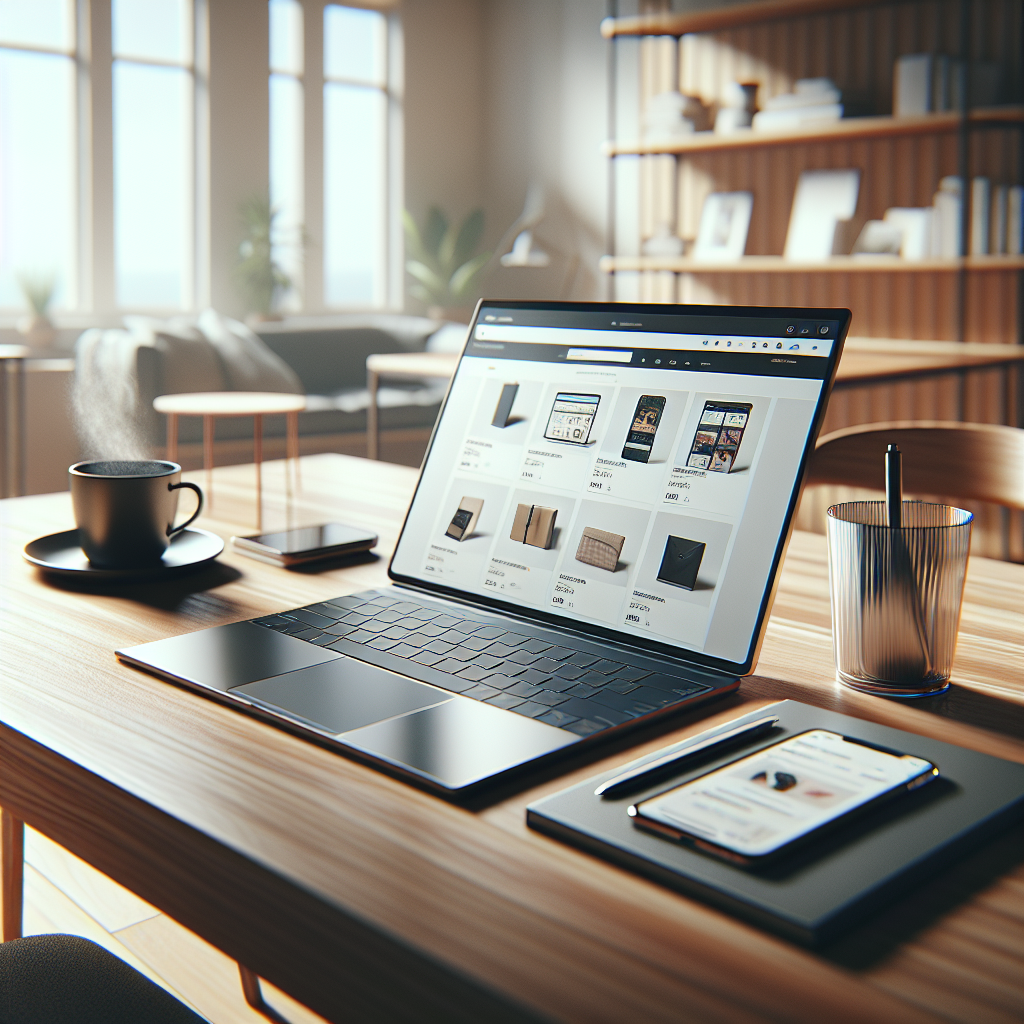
[(153, 152), (38, 234)]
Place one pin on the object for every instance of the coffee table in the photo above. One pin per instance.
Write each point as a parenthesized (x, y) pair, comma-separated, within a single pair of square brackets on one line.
[(214, 405)]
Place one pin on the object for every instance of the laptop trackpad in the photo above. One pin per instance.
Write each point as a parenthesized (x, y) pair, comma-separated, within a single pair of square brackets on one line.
[(343, 694)]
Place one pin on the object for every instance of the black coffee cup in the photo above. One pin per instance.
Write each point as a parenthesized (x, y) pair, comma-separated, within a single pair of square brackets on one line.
[(125, 510)]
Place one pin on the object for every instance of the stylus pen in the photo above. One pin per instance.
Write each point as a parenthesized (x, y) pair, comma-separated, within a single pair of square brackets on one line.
[(699, 744)]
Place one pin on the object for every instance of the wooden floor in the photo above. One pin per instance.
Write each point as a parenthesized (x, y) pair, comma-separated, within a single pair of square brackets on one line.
[(64, 894)]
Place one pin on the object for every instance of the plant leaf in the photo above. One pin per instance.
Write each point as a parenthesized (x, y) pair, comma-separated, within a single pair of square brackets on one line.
[(412, 237), (434, 230), (446, 264), (464, 280), (417, 291), (469, 237), (429, 279)]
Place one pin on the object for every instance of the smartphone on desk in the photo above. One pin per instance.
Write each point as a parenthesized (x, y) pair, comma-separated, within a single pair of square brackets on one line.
[(306, 544), (760, 806)]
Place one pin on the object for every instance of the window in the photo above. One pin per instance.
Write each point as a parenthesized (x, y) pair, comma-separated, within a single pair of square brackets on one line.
[(154, 178), (356, 101), (38, 178), (286, 142)]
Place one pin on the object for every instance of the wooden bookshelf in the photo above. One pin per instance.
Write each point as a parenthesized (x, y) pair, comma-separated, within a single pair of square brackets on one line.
[(835, 265), (846, 129)]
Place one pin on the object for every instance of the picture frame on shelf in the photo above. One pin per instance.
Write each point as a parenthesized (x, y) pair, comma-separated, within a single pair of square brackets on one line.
[(724, 224)]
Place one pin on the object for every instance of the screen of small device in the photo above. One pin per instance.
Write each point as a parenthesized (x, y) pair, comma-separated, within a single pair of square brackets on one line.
[(571, 418), (312, 538), (758, 804), (645, 422)]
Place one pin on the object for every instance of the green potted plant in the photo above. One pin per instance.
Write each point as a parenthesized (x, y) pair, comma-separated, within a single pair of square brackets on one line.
[(443, 263), (260, 277)]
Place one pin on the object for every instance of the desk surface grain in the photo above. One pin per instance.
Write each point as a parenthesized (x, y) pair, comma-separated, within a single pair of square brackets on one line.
[(370, 900)]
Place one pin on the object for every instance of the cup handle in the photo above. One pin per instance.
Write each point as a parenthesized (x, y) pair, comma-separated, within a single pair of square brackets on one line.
[(199, 507)]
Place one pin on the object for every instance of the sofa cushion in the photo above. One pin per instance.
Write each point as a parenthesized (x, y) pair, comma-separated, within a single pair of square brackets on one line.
[(189, 362), (248, 364)]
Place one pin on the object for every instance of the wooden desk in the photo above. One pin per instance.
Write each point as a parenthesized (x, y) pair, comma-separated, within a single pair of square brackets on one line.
[(370, 900)]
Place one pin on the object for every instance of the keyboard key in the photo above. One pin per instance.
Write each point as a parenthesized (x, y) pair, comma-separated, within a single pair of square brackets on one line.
[(376, 626), (409, 622), (535, 646), (559, 653), (534, 678), (355, 619), (628, 705), (403, 651), (489, 633), (462, 654), (569, 671), (508, 701), (500, 650), (499, 680), (476, 643), (593, 678), (418, 640), (580, 690), (390, 615), (382, 643), (531, 709), (380, 600), (559, 684), (294, 627), (486, 661), (549, 697), (586, 727), (428, 658), (396, 633), (474, 672), (424, 614), (342, 602), (309, 634), (632, 673), (323, 639), (595, 712), (360, 636), (514, 639), (273, 620), (619, 685), (523, 657), (582, 660), (404, 607), (545, 664), (481, 692), (557, 718), (446, 621), (453, 636), (523, 689), (449, 665), (431, 629), (457, 684), (439, 647), (340, 629), (606, 667)]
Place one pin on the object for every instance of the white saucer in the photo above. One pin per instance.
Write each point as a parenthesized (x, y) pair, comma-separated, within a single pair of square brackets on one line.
[(60, 553)]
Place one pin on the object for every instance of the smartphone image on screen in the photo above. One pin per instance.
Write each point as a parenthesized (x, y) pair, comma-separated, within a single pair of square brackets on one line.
[(640, 439), (503, 409), (762, 804), (572, 417), (464, 520), (716, 441)]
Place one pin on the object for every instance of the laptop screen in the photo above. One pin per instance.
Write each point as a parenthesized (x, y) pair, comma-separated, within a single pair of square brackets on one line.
[(629, 471)]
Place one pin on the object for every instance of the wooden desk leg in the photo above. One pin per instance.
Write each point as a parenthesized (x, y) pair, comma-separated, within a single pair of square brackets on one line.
[(172, 437), (12, 887), (257, 457), (372, 427), (254, 996), (209, 426), (292, 425)]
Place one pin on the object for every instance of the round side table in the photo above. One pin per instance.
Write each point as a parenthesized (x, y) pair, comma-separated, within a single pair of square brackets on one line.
[(214, 405)]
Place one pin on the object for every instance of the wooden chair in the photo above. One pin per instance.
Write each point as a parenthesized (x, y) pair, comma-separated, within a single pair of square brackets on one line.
[(978, 461)]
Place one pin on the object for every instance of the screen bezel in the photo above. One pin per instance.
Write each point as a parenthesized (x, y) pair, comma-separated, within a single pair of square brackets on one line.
[(604, 633)]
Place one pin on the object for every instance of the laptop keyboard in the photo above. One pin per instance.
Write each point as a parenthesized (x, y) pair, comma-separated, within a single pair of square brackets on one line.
[(558, 684)]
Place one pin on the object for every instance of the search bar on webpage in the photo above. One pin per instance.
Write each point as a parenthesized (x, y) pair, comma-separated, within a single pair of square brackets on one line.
[(599, 355)]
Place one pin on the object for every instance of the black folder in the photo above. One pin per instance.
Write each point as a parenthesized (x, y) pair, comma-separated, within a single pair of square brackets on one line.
[(834, 882), (681, 562)]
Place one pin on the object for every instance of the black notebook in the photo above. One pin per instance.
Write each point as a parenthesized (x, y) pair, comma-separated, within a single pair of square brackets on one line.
[(832, 883), (681, 562)]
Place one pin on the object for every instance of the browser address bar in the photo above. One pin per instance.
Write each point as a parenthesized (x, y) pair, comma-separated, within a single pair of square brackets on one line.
[(599, 355)]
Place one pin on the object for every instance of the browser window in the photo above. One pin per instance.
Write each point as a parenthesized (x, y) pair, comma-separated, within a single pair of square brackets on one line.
[(641, 479)]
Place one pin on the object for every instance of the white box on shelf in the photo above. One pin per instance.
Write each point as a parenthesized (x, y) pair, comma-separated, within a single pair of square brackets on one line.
[(946, 220), (912, 88), (823, 198), (916, 225)]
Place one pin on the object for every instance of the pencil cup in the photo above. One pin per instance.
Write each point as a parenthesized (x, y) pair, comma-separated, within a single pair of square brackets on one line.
[(896, 595)]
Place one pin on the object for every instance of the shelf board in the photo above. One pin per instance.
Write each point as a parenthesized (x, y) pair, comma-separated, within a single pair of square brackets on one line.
[(669, 24), (835, 265), (842, 130)]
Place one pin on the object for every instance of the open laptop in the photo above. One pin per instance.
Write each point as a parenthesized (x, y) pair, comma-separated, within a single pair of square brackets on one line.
[(593, 543)]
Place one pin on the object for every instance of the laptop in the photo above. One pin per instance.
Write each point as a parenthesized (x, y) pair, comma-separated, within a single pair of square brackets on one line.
[(593, 545)]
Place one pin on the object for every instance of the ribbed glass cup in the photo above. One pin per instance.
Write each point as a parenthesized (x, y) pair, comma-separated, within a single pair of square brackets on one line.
[(896, 595)]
